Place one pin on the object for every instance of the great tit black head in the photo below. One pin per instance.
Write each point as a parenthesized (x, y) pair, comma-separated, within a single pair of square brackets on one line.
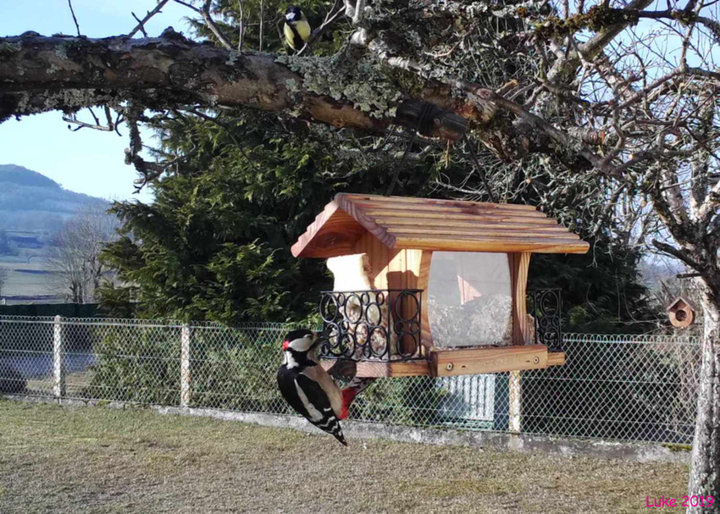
[(294, 13)]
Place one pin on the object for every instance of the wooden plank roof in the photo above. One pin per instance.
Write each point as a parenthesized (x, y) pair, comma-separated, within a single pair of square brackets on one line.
[(432, 224)]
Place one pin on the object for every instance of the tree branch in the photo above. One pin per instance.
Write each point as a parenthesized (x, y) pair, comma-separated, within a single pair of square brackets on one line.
[(711, 204), (70, 73), (45, 73), (563, 70), (141, 23), (72, 11), (679, 254), (205, 13), (684, 16)]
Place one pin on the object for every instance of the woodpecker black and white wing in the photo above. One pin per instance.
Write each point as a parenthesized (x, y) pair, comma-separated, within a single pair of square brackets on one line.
[(327, 384), (317, 404), (288, 389)]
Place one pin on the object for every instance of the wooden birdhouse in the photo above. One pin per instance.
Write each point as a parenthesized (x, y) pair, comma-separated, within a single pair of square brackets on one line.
[(681, 313), (431, 287)]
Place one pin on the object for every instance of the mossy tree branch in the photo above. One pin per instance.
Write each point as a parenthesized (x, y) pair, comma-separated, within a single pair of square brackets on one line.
[(39, 74)]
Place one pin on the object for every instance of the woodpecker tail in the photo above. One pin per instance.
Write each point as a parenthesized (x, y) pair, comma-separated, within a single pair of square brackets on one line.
[(331, 425), (336, 431), (340, 437)]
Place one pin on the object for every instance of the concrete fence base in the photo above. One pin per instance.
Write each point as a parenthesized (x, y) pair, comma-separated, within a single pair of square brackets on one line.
[(483, 440)]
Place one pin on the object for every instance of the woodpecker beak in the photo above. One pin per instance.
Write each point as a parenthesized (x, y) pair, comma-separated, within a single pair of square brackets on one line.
[(320, 337)]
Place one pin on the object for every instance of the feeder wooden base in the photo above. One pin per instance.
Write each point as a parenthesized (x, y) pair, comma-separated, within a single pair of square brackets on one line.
[(449, 363), (376, 369), (466, 361)]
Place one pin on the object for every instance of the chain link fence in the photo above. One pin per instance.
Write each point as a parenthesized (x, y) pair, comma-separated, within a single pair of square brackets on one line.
[(621, 387)]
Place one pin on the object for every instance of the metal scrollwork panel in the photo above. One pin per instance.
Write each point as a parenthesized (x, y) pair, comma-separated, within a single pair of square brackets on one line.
[(373, 324), (547, 310)]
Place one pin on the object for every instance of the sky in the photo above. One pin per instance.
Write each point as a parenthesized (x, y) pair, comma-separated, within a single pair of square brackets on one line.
[(87, 161)]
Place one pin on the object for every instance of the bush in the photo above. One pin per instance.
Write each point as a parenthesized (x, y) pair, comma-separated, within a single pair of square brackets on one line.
[(404, 401), (229, 369), (11, 381), (138, 365), (236, 370)]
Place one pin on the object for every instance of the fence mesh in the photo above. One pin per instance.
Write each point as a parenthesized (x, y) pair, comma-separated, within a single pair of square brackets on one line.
[(622, 387)]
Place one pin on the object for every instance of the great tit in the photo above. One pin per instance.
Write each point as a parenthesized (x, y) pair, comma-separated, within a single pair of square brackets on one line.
[(296, 28)]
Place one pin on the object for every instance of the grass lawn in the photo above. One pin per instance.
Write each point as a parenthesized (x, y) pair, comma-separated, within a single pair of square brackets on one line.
[(97, 459)]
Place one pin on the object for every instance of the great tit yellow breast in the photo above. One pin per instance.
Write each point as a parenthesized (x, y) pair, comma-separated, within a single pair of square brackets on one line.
[(296, 38)]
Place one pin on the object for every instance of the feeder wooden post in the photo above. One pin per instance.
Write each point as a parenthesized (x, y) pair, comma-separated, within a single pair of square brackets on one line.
[(58, 359), (519, 265), (185, 366)]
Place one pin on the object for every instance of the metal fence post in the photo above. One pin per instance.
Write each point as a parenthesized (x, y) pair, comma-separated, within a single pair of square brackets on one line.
[(185, 365), (514, 388), (58, 359)]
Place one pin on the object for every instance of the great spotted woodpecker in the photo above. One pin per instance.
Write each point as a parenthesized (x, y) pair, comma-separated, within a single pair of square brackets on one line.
[(307, 387)]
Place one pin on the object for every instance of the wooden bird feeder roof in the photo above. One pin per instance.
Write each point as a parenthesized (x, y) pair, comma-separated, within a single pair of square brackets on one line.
[(433, 224)]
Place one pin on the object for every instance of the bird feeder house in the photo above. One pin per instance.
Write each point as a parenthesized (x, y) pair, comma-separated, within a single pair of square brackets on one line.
[(681, 313), (431, 287)]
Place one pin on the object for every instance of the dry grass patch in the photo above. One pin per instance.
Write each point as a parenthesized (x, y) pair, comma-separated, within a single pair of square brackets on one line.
[(94, 459)]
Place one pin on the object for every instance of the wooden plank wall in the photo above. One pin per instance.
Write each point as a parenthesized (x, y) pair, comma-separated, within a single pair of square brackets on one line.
[(397, 269), (519, 264)]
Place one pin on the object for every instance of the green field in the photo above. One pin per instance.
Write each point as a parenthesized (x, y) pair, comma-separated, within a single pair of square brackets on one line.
[(26, 277), (96, 459)]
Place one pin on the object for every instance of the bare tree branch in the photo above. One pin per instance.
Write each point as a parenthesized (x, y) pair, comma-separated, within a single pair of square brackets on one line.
[(678, 254), (564, 68), (72, 11), (141, 23), (262, 25), (205, 13)]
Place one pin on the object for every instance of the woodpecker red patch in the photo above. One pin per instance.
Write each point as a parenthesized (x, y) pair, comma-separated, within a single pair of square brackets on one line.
[(286, 345), (348, 395)]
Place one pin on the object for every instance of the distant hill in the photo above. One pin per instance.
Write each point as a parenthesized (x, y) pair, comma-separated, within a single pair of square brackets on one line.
[(18, 175), (31, 202)]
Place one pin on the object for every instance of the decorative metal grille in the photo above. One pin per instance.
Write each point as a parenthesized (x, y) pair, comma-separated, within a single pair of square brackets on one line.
[(374, 324), (547, 311)]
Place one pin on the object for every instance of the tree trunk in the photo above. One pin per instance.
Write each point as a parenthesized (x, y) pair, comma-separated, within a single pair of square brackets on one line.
[(704, 478)]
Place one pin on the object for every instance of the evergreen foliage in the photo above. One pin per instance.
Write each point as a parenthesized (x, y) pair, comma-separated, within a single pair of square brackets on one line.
[(215, 243)]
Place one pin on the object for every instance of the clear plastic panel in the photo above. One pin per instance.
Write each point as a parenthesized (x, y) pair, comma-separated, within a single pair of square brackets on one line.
[(470, 299)]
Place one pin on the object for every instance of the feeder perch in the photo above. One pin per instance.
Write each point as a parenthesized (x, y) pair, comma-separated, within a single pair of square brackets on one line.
[(681, 313), (431, 287)]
